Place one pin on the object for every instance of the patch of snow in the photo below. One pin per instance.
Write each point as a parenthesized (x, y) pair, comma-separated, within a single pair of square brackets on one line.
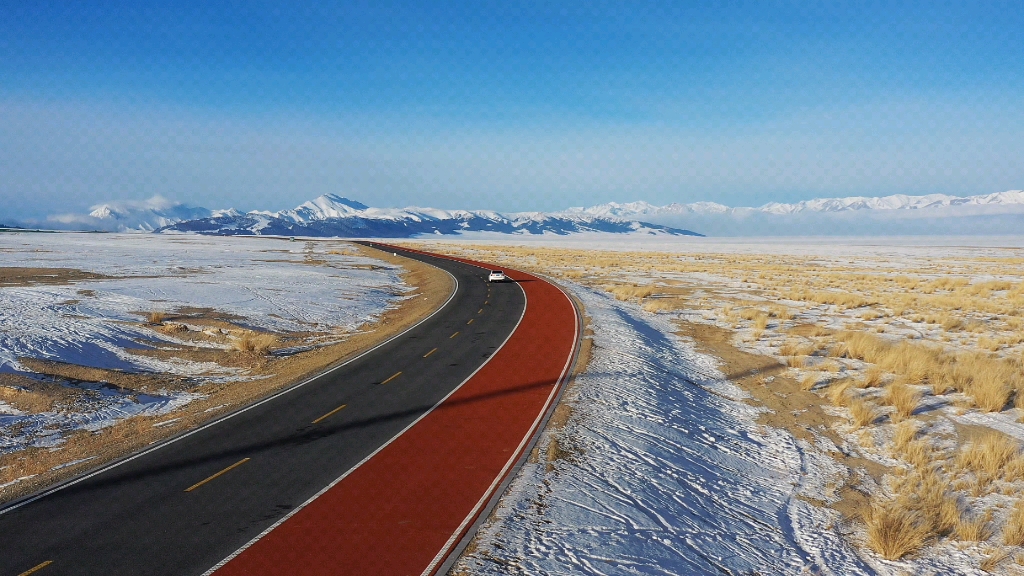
[(670, 474), (166, 273)]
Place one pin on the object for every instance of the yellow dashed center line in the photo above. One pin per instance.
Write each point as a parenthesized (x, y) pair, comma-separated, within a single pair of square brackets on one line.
[(429, 353), (395, 375), (470, 321), (480, 311), (35, 569), (486, 302), (329, 414), (217, 475), (453, 335)]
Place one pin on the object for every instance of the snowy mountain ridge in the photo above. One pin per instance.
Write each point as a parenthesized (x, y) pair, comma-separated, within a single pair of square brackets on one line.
[(333, 215), (894, 202)]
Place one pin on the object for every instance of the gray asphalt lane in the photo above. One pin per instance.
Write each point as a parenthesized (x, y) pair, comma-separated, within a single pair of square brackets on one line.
[(137, 518)]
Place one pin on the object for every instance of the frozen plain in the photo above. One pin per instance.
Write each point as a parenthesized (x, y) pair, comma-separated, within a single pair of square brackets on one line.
[(266, 284)]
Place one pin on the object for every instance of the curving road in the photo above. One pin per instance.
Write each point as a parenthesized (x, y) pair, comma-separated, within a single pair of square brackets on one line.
[(377, 467)]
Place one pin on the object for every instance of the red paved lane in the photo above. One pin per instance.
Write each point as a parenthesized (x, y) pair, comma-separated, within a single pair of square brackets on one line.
[(401, 511)]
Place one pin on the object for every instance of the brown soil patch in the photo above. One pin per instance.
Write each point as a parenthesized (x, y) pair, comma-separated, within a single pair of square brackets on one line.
[(432, 288), (17, 276)]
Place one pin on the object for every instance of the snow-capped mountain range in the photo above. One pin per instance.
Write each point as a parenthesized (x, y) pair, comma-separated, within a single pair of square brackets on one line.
[(333, 215), (895, 202)]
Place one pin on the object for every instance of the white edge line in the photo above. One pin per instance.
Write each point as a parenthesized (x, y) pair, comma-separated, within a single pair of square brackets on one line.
[(515, 455), (296, 510), (226, 417)]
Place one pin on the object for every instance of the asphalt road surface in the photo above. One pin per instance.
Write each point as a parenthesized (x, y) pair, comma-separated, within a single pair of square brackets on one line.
[(184, 507)]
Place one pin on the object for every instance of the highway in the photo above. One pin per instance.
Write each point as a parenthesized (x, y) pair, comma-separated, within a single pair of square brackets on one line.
[(185, 506)]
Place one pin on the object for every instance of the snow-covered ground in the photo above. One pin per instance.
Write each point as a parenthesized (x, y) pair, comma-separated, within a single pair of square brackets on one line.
[(670, 473), (269, 284), (265, 284)]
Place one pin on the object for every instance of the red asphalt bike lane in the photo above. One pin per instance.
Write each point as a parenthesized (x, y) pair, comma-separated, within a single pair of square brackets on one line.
[(403, 511)]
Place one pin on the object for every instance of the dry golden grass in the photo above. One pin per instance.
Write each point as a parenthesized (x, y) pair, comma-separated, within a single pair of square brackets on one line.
[(751, 313), (873, 377), (1013, 530), (919, 454), (862, 412), (990, 456), (631, 292), (903, 434), (976, 529), (926, 491), (663, 304), (903, 398), (838, 391), (994, 559), (809, 381), (989, 381), (894, 531), (156, 317), (831, 366), (761, 322), (257, 343)]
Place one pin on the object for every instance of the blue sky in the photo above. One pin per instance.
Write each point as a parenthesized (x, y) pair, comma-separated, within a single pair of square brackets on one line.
[(505, 105)]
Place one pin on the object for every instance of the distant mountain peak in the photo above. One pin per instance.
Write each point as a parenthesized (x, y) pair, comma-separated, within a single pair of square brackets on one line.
[(333, 215)]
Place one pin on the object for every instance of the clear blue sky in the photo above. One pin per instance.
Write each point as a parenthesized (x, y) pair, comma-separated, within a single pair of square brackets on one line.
[(505, 105)]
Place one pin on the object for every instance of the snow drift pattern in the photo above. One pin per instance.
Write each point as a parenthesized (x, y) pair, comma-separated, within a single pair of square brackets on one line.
[(670, 476)]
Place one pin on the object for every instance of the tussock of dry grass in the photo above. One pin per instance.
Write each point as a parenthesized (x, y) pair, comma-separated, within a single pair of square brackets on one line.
[(989, 381), (863, 412), (780, 312), (976, 529), (1013, 530), (903, 398), (991, 456), (663, 304), (919, 454), (993, 560), (631, 292), (894, 531), (809, 381), (156, 317), (873, 377), (256, 343), (927, 492), (838, 392), (903, 434)]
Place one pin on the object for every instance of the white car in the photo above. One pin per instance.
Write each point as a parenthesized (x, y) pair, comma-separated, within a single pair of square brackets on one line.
[(496, 276)]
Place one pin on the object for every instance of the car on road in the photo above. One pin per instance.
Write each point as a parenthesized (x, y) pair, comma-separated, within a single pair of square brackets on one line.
[(497, 276)]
